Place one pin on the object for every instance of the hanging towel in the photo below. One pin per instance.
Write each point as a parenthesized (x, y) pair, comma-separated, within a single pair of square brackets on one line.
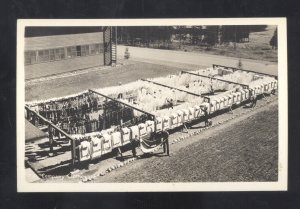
[(239, 96), (243, 95), (247, 93), (174, 120), (135, 132), (126, 136), (142, 130), (230, 99), (150, 126), (96, 147), (180, 117), (159, 124), (234, 101), (106, 143), (166, 122), (116, 139), (185, 115), (213, 106), (84, 150), (191, 113), (197, 111)]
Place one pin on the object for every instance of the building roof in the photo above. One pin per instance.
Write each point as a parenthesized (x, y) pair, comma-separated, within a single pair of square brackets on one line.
[(56, 41), (34, 31)]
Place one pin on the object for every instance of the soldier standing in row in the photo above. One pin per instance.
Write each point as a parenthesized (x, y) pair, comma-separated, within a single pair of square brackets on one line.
[(134, 144), (253, 99), (204, 109)]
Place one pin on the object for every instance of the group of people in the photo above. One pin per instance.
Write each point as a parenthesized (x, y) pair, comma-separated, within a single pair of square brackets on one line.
[(161, 137)]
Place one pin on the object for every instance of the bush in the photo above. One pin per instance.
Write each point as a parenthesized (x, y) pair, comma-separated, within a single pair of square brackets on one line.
[(127, 54)]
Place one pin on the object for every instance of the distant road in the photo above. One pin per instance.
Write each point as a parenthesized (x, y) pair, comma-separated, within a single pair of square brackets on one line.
[(169, 57)]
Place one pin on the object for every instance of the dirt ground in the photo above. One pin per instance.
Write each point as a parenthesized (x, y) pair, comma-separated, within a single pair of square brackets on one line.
[(245, 150)]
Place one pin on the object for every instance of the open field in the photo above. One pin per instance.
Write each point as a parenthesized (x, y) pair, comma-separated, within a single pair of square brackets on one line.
[(111, 76), (247, 150)]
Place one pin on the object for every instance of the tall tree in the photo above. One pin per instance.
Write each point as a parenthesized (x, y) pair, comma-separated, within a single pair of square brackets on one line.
[(212, 35)]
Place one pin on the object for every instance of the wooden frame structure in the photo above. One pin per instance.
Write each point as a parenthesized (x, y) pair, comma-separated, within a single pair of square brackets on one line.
[(171, 87), (250, 71), (218, 79), (51, 125)]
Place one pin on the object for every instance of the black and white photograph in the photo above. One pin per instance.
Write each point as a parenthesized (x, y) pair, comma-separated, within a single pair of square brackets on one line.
[(152, 105)]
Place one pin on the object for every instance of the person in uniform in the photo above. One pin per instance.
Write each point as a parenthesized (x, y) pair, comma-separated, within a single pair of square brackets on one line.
[(253, 99), (134, 144), (165, 138), (206, 121)]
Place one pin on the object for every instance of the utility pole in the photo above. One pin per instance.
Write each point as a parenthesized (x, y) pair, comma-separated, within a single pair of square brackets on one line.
[(116, 42), (235, 37)]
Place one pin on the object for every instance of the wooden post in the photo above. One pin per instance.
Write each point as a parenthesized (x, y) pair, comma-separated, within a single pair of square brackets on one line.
[(73, 153), (50, 138)]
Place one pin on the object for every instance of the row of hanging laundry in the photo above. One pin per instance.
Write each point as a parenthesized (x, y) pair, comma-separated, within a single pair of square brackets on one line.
[(91, 147), (97, 146), (80, 127), (85, 100), (72, 115)]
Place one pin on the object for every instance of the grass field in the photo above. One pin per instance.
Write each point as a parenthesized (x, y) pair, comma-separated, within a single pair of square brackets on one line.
[(245, 151), (129, 72)]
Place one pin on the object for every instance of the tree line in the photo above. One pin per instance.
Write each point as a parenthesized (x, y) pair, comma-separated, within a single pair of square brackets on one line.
[(162, 36)]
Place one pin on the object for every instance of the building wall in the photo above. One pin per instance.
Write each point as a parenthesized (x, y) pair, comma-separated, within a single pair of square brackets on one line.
[(49, 68), (48, 42), (43, 54)]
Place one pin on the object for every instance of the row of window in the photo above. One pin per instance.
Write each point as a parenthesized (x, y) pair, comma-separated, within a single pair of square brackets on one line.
[(49, 55)]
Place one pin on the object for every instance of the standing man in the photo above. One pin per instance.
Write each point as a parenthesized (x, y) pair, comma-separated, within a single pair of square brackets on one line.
[(253, 99), (134, 144), (204, 109), (165, 138)]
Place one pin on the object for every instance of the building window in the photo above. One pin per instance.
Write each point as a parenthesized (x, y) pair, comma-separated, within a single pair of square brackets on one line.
[(85, 50), (41, 55), (27, 58), (78, 51), (92, 49), (71, 52), (47, 55), (57, 54), (60, 54), (44, 56), (101, 48), (30, 57), (51, 55), (97, 48)]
